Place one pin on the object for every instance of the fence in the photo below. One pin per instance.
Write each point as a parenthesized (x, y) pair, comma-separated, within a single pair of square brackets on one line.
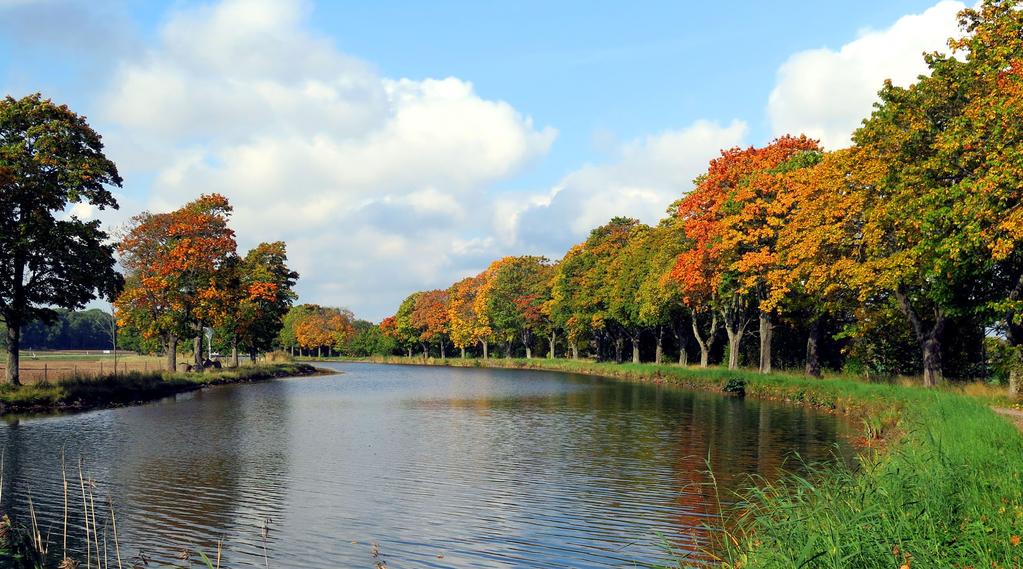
[(56, 370)]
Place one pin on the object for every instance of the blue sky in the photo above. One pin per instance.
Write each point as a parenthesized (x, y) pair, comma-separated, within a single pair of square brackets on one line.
[(400, 146)]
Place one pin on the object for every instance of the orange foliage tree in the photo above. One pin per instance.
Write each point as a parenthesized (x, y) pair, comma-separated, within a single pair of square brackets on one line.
[(178, 277), (732, 218)]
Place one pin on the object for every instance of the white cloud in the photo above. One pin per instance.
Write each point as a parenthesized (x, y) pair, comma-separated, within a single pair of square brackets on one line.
[(375, 183), (826, 93), (645, 176)]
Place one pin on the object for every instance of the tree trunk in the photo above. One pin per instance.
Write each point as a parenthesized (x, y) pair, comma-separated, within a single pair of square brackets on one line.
[(706, 344), (766, 332), (508, 349), (234, 352), (197, 351), (442, 354), (1014, 336), (13, 345), (932, 359), (172, 352), (410, 352), (736, 320), (463, 352), (929, 338), (619, 346), (486, 348), (813, 361), (734, 338), (575, 351), (552, 339), (634, 339), (659, 351)]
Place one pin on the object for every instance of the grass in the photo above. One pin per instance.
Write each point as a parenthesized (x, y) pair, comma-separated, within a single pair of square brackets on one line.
[(110, 391), (938, 484)]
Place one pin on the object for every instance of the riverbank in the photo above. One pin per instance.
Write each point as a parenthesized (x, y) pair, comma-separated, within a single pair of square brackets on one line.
[(81, 394), (943, 486)]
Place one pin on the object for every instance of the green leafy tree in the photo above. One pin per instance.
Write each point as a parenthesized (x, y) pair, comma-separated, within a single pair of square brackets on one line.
[(516, 293), (50, 159)]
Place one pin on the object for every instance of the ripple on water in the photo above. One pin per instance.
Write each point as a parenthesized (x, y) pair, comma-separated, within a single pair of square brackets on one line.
[(442, 467)]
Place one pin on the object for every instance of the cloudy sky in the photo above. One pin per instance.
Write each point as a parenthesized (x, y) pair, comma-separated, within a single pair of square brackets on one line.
[(399, 146)]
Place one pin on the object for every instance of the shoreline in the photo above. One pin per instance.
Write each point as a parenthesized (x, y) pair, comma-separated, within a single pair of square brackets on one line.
[(133, 388)]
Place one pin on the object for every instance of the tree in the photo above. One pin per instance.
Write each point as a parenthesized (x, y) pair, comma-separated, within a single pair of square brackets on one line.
[(263, 292), (369, 340), (286, 337), (626, 275), (580, 294), (818, 246), (50, 159), (732, 217), (406, 329), (321, 327), (758, 209), (515, 293), (982, 146), (660, 296), (179, 272), (430, 317), (467, 314)]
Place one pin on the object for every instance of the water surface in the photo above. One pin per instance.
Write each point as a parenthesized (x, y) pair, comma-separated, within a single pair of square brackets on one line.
[(441, 467)]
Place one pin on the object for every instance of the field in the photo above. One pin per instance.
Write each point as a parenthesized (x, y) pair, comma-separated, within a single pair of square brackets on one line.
[(49, 366)]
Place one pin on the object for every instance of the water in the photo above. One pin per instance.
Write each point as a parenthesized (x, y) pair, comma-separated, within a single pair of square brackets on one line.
[(441, 467)]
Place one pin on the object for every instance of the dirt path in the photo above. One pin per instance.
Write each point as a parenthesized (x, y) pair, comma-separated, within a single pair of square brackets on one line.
[(1014, 414)]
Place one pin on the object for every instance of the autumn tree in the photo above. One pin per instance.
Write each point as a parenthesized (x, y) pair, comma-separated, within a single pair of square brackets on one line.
[(321, 327), (179, 272), (286, 336), (262, 288), (50, 160), (429, 317), (733, 216), (979, 150), (467, 315)]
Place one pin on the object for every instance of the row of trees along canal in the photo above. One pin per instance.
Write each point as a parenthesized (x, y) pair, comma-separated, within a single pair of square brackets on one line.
[(182, 271), (900, 254)]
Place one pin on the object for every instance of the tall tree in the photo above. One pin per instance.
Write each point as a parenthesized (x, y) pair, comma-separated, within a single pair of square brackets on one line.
[(430, 318), (179, 272), (626, 275), (732, 217), (515, 292), (408, 332), (50, 159), (660, 296), (467, 314), (264, 295)]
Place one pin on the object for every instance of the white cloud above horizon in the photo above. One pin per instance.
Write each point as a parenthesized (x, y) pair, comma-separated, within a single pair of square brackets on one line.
[(825, 93), (375, 183)]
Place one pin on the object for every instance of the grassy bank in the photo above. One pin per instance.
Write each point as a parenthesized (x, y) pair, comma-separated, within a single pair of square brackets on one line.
[(942, 488), (130, 388)]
